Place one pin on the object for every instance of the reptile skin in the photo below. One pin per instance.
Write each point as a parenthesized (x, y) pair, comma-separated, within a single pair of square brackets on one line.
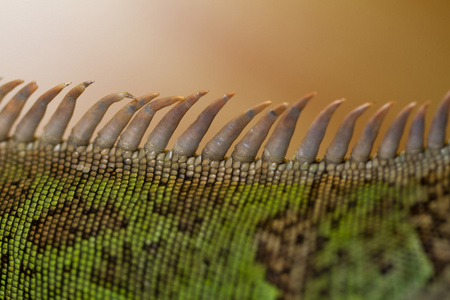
[(87, 222)]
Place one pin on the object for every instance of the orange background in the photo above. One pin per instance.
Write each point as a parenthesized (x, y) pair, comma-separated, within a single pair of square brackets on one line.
[(364, 51)]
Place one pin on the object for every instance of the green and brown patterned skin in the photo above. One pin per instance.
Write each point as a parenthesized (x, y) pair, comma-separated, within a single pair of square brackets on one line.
[(91, 223)]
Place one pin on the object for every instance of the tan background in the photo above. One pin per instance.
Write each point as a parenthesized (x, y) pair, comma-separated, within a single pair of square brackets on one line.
[(365, 51)]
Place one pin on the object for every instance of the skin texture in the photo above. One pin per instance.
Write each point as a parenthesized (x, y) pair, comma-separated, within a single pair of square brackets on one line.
[(93, 222)]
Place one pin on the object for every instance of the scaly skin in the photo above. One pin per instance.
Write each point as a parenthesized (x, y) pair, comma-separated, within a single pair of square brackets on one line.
[(95, 224)]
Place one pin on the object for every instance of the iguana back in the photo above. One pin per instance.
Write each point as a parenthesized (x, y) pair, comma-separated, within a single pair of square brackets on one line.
[(106, 219)]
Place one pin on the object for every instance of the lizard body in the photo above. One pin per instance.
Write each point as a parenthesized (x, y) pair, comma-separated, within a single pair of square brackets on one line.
[(89, 220)]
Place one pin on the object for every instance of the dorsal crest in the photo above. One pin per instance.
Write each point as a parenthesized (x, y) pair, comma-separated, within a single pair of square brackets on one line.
[(126, 129)]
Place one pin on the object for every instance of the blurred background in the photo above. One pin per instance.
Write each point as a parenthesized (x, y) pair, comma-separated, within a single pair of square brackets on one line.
[(363, 51)]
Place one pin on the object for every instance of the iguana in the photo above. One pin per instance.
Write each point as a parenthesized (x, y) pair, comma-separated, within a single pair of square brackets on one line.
[(105, 219)]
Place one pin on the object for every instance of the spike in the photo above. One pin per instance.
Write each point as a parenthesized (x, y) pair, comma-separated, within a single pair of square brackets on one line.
[(12, 110), (160, 136), (276, 148), (247, 149), (309, 147), (55, 128), (363, 147), (188, 142), (27, 126), (414, 143), (436, 135), (8, 87), (216, 148), (108, 135), (389, 144), (132, 136), (83, 130), (336, 151)]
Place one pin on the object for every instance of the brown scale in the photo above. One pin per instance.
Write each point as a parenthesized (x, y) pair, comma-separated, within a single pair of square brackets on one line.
[(432, 222), (63, 224), (284, 246)]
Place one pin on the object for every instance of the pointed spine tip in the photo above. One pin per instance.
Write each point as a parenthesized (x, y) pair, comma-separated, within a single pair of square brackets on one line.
[(310, 95), (67, 83), (388, 105), (228, 96), (258, 108), (280, 108), (366, 106), (202, 93), (128, 95), (32, 84), (264, 104), (88, 83)]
